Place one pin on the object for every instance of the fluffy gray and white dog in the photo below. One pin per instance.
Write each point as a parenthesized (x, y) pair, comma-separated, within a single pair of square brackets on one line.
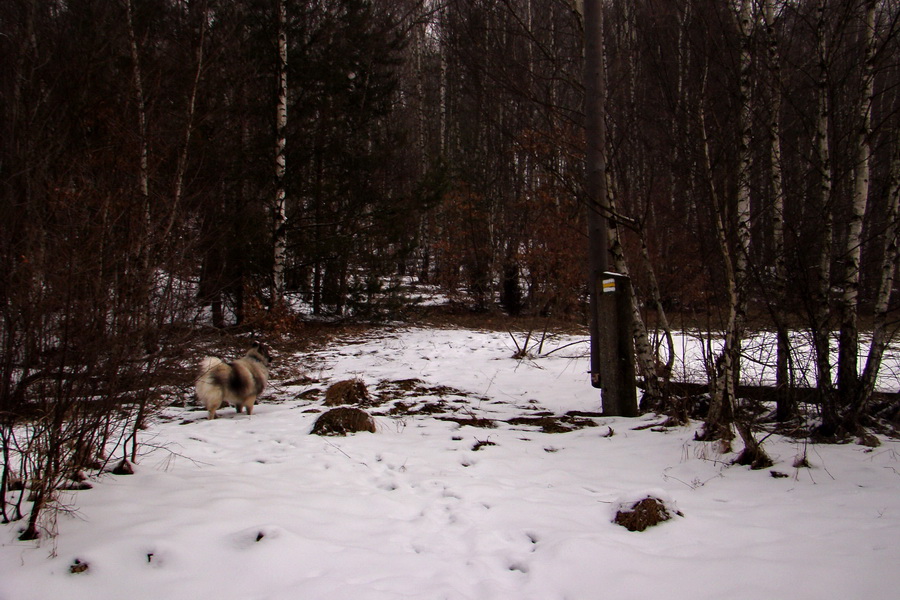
[(237, 383)]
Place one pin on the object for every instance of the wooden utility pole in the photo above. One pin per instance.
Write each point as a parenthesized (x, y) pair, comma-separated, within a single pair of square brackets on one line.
[(612, 347)]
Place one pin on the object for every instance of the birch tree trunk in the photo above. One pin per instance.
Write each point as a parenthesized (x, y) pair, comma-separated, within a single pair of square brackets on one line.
[(279, 219), (139, 98), (665, 371), (784, 408), (822, 327), (721, 411), (138, 273), (742, 224), (881, 332), (443, 50), (190, 110), (419, 53), (848, 350), (647, 358)]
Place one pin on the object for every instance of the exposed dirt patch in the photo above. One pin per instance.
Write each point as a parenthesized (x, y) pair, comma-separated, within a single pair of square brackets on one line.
[(412, 409), (414, 397), (552, 424), (431, 408), (390, 390), (397, 388), (471, 421), (302, 380), (309, 395)]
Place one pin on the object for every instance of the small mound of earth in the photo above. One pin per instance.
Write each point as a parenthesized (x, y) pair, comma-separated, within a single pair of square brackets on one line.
[(645, 513), (79, 566), (349, 391), (343, 420)]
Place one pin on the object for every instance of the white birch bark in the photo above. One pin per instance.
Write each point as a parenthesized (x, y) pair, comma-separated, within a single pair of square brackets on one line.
[(774, 60), (821, 333), (848, 370), (420, 51), (665, 371), (190, 110), (881, 333), (278, 210), (720, 416), (144, 168), (443, 50), (142, 239), (650, 366), (783, 346), (721, 412), (742, 254), (737, 284)]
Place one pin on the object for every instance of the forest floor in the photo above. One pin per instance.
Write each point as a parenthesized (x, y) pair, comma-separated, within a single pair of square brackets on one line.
[(488, 477)]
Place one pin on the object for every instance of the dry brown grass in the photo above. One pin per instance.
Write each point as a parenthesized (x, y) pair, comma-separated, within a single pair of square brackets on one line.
[(343, 420), (349, 391)]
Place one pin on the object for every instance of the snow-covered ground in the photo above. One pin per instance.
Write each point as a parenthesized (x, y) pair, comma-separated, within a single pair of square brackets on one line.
[(256, 508)]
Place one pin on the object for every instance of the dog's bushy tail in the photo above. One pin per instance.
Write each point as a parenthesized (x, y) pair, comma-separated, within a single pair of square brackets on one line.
[(206, 367), (209, 390)]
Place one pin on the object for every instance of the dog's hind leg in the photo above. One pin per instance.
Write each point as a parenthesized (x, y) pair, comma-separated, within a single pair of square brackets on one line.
[(213, 402), (210, 395), (212, 406), (250, 406)]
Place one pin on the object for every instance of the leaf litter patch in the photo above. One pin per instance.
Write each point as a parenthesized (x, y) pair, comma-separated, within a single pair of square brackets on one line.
[(413, 397), (390, 390), (552, 424)]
